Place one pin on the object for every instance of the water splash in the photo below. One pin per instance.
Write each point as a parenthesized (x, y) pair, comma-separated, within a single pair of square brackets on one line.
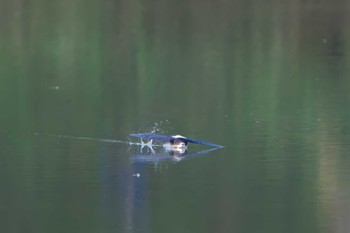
[(161, 127)]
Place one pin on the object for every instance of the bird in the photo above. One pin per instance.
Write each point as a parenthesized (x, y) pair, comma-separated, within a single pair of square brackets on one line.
[(173, 141)]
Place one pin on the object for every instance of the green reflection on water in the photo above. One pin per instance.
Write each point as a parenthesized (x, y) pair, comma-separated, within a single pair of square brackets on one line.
[(267, 80)]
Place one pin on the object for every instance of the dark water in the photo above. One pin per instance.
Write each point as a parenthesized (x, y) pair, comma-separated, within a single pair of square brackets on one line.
[(267, 80)]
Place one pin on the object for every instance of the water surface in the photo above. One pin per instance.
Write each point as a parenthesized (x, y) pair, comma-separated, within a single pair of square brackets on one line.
[(268, 81)]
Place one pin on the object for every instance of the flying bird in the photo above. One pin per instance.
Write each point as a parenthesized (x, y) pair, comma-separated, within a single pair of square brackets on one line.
[(175, 141)]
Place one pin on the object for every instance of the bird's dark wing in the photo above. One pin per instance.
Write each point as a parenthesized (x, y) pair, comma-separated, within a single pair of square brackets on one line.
[(163, 138), (202, 142), (151, 136)]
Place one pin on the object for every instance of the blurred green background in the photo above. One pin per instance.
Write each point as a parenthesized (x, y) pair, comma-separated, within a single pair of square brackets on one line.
[(268, 80)]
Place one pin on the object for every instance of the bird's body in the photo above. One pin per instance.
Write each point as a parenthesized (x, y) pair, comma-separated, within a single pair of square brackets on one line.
[(175, 141)]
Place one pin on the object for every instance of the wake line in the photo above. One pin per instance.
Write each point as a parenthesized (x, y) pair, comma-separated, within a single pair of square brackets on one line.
[(84, 138), (95, 139)]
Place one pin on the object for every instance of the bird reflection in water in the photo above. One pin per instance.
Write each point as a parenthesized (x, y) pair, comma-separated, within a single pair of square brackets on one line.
[(153, 156)]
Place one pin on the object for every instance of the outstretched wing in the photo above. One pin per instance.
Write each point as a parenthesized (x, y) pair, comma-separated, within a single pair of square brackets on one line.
[(163, 138), (202, 142), (151, 136)]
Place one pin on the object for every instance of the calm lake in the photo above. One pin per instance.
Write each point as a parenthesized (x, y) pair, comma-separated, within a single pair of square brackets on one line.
[(268, 80)]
